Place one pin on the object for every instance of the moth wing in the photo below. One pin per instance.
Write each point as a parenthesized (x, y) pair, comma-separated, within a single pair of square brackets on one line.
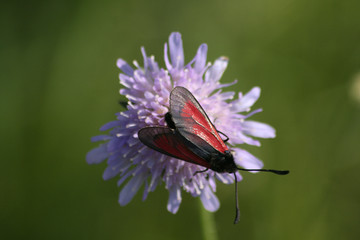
[(191, 120), (171, 143)]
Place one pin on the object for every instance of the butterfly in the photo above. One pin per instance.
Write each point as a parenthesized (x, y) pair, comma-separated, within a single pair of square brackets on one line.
[(192, 137)]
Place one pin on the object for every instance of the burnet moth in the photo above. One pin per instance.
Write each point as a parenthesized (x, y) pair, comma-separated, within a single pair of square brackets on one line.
[(191, 137)]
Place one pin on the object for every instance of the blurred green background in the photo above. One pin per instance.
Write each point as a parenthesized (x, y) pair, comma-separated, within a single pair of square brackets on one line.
[(59, 84)]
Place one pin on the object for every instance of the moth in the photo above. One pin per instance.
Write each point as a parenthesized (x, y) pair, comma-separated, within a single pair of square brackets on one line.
[(192, 137)]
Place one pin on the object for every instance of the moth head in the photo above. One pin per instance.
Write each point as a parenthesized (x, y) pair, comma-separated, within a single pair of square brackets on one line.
[(223, 162)]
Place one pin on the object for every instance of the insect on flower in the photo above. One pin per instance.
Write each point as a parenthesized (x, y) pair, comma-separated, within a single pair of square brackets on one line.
[(147, 89), (190, 136)]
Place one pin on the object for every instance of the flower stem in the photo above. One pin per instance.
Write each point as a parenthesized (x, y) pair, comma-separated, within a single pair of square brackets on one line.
[(208, 224)]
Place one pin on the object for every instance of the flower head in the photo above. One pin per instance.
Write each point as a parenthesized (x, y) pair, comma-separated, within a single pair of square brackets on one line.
[(148, 89)]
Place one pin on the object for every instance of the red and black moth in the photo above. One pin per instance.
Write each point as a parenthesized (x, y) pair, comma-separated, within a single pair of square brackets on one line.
[(190, 136)]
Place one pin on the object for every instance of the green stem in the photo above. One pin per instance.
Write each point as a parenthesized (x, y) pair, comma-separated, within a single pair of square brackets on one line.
[(208, 224)]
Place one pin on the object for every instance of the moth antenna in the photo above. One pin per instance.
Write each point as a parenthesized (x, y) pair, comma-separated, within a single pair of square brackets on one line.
[(237, 211), (279, 172)]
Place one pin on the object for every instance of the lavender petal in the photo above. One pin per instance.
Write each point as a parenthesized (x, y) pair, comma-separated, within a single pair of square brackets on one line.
[(200, 58), (130, 189), (247, 160), (174, 199), (244, 103), (176, 50), (214, 73), (97, 155), (209, 200), (258, 129), (125, 67)]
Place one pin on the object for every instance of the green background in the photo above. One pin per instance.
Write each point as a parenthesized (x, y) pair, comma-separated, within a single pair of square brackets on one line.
[(59, 84)]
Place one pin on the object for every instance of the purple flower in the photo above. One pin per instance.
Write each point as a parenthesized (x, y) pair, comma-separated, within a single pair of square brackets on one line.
[(148, 89)]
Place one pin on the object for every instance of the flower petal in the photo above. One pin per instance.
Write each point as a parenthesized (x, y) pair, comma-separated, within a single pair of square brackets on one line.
[(200, 58), (224, 178), (247, 160), (97, 155), (146, 191), (149, 62), (214, 73), (109, 125), (244, 103), (174, 199), (131, 188), (125, 67), (114, 169), (166, 57), (176, 50), (240, 138), (209, 200), (258, 129), (100, 138)]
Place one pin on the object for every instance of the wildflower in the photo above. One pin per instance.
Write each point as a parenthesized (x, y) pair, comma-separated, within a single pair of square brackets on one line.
[(148, 89)]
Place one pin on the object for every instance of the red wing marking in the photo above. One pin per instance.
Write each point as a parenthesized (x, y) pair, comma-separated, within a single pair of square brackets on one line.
[(188, 114), (168, 142)]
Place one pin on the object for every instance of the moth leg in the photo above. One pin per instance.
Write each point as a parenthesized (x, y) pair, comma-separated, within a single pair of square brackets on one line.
[(227, 138), (200, 171)]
